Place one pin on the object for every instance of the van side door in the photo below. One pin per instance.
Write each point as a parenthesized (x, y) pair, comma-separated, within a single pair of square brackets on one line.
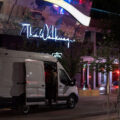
[(63, 83), (35, 82)]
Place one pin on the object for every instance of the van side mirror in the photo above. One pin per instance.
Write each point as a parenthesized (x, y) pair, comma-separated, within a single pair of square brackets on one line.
[(72, 82)]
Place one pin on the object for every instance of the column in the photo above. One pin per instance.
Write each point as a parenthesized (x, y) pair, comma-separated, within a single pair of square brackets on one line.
[(110, 79), (105, 78), (99, 78), (93, 39), (83, 76), (94, 79), (88, 75)]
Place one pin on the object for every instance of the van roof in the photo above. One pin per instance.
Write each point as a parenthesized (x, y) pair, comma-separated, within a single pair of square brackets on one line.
[(27, 55)]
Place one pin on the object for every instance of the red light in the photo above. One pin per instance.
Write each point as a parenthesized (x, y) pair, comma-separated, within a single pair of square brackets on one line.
[(116, 87), (80, 1), (102, 69), (83, 69), (90, 3), (117, 71), (90, 76)]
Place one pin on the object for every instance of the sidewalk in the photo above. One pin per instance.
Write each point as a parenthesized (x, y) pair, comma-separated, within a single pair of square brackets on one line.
[(96, 105), (102, 117)]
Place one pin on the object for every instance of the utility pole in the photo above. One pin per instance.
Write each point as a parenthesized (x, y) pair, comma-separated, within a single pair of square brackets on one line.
[(93, 38)]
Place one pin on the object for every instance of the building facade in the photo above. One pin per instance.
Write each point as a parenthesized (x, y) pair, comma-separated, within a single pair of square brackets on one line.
[(14, 12)]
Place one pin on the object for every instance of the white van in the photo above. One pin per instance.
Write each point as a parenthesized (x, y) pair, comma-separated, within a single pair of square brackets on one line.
[(22, 80)]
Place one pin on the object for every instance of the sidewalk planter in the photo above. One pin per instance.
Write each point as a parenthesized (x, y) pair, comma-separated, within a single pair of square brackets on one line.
[(89, 92)]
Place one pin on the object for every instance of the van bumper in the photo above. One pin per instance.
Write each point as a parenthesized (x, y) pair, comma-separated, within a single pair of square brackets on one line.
[(5, 102)]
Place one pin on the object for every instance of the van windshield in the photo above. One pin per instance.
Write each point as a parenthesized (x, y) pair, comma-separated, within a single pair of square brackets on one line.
[(64, 77)]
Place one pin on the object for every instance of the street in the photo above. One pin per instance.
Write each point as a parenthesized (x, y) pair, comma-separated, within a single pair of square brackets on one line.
[(89, 107)]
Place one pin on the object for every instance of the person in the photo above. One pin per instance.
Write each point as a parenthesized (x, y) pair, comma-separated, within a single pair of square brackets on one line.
[(54, 85), (51, 84), (48, 81)]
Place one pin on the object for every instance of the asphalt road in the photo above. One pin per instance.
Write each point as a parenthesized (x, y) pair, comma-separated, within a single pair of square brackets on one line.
[(88, 108)]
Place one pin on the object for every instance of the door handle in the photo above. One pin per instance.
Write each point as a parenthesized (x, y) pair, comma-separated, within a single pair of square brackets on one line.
[(43, 85)]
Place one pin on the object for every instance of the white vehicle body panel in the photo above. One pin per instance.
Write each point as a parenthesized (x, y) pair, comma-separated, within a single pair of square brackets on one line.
[(35, 79)]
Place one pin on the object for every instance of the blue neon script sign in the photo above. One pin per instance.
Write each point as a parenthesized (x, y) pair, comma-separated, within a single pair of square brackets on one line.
[(47, 33)]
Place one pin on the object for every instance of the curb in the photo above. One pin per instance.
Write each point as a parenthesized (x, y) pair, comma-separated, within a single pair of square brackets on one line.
[(76, 116), (95, 114)]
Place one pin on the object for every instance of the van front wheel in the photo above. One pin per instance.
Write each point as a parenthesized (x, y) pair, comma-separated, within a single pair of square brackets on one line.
[(24, 109), (71, 102)]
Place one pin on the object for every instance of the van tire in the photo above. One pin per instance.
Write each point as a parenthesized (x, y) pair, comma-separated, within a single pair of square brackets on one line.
[(71, 102), (24, 109)]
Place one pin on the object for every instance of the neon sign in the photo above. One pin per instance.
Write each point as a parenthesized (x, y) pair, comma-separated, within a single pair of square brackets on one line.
[(47, 33), (82, 18), (57, 55)]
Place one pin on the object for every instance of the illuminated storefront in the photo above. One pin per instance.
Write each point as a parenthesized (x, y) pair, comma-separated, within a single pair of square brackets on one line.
[(93, 79)]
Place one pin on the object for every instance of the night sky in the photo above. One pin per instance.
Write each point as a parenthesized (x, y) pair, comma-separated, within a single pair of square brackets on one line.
[(112, 6)]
